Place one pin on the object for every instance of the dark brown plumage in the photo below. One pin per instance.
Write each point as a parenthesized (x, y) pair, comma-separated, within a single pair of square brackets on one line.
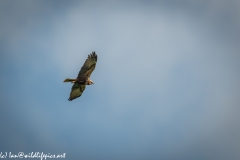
[(83, 77)]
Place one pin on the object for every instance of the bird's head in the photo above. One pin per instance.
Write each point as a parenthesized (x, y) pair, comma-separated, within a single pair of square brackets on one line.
[(90, 82)]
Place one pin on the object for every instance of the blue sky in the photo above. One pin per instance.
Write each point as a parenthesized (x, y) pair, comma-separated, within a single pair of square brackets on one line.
[(166, 82)]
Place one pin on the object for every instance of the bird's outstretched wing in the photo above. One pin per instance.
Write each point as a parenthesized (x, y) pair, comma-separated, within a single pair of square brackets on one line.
[(77, 90), (88, 66)]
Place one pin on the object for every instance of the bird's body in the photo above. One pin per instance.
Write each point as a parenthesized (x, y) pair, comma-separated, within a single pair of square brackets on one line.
[(83, 78), (80, 80)]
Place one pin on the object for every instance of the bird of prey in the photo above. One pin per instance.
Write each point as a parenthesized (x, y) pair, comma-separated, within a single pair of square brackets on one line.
[(83, 78)]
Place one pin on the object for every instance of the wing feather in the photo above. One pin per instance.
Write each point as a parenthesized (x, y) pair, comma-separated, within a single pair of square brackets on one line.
[(77, 90), (89, 65)]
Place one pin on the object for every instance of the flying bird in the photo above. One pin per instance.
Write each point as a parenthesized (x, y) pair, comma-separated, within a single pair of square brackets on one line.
[(83, 78)]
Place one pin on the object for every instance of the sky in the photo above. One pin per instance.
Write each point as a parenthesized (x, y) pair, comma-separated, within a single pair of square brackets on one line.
[(166, 84)]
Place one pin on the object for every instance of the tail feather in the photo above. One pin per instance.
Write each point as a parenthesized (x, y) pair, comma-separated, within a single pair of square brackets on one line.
[(69, 80)]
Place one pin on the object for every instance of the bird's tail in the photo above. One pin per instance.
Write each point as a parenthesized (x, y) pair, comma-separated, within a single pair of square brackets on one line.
[(69, 80)]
